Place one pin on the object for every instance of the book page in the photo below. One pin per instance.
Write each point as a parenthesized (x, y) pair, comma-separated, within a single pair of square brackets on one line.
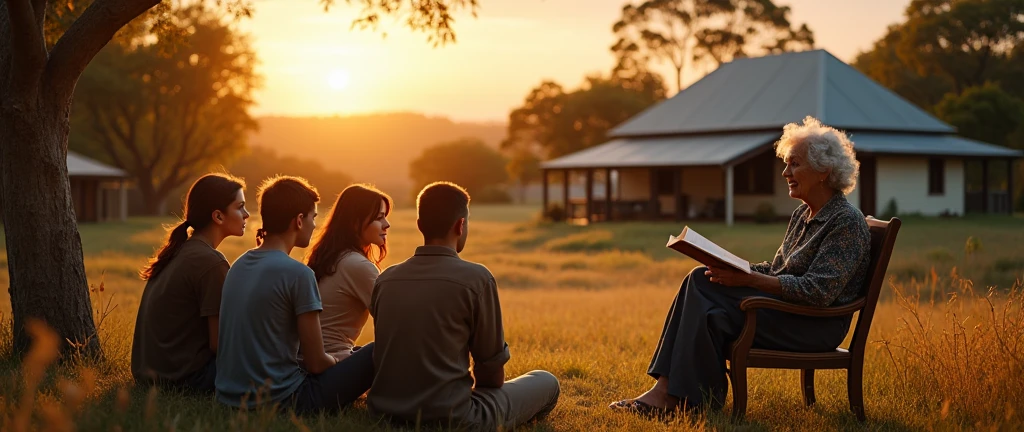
[(690, 236)]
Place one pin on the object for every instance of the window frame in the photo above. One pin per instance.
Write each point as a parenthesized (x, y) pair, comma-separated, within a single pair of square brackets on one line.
[(936, 176)]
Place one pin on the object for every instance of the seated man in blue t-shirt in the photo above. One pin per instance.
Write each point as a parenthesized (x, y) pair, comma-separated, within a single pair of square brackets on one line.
[(270, 308)]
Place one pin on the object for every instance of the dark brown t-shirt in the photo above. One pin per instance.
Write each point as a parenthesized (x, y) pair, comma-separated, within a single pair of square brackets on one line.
[(431, 313), (172, 339)]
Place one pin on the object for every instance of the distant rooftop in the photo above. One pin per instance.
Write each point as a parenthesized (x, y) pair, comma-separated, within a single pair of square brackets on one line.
[(766, 93), (81, 166)]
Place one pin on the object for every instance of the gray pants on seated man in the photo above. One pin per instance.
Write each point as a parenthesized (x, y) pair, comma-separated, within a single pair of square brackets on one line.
[(530, 396)]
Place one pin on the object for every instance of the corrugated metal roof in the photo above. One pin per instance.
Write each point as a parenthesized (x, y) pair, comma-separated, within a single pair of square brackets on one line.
[(720, 149), (82, 166), (669, 151), (941, 145), (769, 92)]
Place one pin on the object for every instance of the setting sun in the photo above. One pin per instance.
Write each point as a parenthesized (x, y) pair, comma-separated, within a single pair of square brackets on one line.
[(338, 79)]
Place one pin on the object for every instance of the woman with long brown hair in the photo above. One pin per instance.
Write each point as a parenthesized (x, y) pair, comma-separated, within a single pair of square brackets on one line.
[(175, 343), (346, 257)]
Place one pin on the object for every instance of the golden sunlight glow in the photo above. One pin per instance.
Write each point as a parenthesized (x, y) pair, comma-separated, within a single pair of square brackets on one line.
[(314, 65), (338, 79)]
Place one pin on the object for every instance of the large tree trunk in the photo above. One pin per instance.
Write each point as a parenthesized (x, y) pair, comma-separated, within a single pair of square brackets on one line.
[(153, 205), (44, 250)]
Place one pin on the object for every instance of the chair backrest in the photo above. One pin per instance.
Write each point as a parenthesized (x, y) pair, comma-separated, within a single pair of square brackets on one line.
[(883, 237)]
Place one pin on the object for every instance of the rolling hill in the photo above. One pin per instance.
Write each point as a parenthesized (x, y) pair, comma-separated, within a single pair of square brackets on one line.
[(372, 148)]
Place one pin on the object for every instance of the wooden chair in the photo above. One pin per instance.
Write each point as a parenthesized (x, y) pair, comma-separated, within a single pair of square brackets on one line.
[(742, 357)]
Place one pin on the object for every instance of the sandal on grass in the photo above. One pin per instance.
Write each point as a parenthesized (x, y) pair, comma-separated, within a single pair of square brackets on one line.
[(644, 409)]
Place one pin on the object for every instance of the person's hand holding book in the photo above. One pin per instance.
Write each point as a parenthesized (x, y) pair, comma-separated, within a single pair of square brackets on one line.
[(724, 267), (729, 276)]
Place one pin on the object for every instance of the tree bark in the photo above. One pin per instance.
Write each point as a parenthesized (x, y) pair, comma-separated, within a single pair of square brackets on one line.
[(44, 249), (151, 202)]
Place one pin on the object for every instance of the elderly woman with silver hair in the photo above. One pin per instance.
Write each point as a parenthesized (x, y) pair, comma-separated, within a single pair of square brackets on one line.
[(823, 261)]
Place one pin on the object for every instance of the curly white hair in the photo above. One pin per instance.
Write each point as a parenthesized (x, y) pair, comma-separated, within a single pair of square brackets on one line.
[(827, 148)]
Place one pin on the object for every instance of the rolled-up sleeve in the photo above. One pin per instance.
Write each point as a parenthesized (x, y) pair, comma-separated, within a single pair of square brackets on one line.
[(487, 342), (305, 295), (838, 258)]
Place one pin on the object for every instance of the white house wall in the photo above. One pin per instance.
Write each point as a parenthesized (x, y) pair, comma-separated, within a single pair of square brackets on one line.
[(854, 197), (905, 179)]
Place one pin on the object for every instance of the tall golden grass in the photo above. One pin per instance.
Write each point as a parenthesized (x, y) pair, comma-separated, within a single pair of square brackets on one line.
[(965, 354), (587, 306)]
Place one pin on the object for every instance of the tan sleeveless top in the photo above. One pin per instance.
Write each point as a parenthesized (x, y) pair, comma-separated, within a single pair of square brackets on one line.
[(346, 301)]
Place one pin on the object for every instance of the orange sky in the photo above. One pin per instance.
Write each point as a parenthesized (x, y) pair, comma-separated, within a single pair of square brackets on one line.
[(314, 65)]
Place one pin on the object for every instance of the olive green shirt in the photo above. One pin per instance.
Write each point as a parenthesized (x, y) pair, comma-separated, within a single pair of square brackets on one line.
[(172, 337), (431, 313)]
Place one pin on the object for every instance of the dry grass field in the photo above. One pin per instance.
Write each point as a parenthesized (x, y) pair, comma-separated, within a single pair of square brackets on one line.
[(587, 304)]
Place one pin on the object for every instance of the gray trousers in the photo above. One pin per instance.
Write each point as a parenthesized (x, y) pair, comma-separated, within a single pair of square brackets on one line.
[(705, 319), (531, 395)]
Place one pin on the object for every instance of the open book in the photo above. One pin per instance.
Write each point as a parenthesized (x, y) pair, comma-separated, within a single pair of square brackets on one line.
[(705, 251)]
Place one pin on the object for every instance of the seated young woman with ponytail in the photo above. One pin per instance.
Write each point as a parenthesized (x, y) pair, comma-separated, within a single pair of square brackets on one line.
[(175, 342), (345, 257)]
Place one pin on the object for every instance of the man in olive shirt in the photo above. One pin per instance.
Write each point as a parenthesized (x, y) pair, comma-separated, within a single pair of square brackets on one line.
[(431, 313)]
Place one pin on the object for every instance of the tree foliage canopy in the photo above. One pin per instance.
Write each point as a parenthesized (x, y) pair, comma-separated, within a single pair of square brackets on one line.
[(685, 32), (167, 109)]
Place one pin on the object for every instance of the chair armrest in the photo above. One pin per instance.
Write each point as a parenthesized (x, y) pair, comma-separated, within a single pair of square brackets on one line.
[(751, 303)]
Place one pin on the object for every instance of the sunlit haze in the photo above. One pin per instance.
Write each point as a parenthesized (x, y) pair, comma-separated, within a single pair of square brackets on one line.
[(313, 64)]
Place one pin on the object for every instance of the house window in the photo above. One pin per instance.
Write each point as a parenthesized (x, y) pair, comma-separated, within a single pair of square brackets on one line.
[(755, 176), (936, 176), (664, 182)]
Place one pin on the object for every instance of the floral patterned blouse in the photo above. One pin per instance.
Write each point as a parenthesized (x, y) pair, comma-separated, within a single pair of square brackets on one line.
[(823, 261)]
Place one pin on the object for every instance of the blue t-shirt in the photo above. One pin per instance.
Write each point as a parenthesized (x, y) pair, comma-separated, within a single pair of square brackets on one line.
[(264, 292)]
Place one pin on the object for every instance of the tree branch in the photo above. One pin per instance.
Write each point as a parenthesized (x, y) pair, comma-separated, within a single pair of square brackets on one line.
[(28, 45), (179, 163), (190, 122), (158, 138), (182, 167), (107, 136), (111, 129), (131, 119), (84, 39)]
